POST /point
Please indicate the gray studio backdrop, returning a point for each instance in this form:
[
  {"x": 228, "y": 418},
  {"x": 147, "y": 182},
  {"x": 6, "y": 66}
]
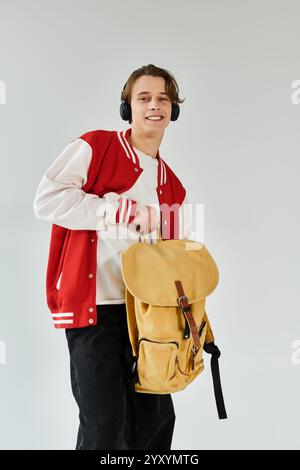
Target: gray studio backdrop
[{"x": 236, "y": 149}]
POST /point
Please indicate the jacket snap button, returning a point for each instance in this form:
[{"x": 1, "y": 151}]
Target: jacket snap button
[
  {"x": 91, "y": 309},
  {"x": 91, "y": 320},
  {"x": 160, "y": 191},
  {"x": 136, "y": 169},
  {"x": 92, "y": 239},
  {"x": 90, "y": 275}
]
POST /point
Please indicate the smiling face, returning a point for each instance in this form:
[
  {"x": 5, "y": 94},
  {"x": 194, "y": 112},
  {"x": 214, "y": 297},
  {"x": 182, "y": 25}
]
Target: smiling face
[{"x": 149, "y": 98}]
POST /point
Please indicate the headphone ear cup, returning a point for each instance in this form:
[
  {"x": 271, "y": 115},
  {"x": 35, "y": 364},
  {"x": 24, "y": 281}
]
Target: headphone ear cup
[
  {"x": 125, "y": 111},
  {"x": 175, "y": 111}
]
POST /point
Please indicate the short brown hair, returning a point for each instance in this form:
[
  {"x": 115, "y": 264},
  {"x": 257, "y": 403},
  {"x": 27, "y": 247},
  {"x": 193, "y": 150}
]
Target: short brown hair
[{"x": 172, "y": 89}]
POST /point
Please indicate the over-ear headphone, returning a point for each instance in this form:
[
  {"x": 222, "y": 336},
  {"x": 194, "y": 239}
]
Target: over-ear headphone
[{"x": 125, "y": 110}]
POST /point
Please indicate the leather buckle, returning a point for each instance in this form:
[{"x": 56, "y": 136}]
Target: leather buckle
[{"x": 182, "y": 297}]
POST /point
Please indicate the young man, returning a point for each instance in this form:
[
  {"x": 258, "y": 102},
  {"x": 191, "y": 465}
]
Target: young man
[{"x": 101, "y": 191}]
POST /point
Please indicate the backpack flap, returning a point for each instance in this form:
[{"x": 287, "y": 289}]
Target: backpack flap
[{"x": 150, "y": 270}]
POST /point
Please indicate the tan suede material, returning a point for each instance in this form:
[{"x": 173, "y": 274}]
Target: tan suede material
[{"x": 167, "y": 362}]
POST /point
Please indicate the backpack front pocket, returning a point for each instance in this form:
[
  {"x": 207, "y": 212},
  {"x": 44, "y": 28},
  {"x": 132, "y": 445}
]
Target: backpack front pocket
[
  {"x": 156, "y": 365},
  {"x": 191, "y": 363}
]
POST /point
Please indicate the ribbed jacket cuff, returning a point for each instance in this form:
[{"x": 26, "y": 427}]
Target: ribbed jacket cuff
[{"x": 126, "y": 211}]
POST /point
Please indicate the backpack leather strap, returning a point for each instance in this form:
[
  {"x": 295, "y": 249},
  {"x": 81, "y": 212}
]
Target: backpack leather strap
[{"x": 187, "y": 312}]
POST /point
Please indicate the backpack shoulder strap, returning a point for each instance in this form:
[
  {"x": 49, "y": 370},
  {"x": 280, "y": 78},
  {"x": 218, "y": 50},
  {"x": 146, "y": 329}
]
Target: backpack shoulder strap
[{"x": 211, "y": 348}]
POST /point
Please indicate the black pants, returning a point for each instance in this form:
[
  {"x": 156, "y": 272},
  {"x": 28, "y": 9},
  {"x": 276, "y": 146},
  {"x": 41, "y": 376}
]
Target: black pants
[{"x": 111, "y": 414}]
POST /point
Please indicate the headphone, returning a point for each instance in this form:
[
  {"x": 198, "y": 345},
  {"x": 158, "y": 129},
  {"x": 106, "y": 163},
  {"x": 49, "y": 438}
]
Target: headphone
[{"x": 125, "y": 110}]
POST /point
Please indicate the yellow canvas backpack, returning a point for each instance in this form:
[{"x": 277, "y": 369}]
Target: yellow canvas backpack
[{"x": 166, "y": 285}]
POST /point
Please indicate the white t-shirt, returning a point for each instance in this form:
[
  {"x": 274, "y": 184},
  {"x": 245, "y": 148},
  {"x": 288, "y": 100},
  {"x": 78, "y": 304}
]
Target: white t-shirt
[{"x": 110, "y": 288}]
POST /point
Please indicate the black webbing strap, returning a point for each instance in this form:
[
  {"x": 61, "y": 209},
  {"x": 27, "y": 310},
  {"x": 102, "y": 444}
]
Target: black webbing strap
[{"x": 212, "y": 348}]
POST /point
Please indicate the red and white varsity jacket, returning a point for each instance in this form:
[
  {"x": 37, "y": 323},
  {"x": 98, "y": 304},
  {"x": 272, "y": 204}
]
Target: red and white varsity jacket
[{"x": 72, "y": 258}]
